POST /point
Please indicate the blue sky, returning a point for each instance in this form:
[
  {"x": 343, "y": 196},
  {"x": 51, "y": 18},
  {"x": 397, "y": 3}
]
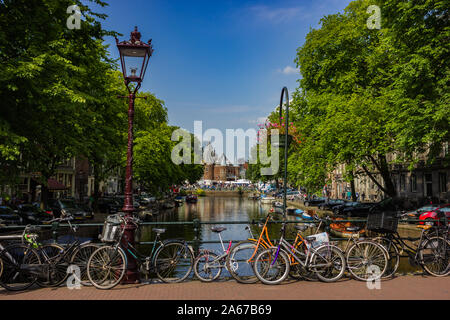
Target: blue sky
[{"x": 221, "y": 62}]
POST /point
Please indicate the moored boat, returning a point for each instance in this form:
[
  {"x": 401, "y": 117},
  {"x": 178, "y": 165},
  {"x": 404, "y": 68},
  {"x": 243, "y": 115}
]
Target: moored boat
[
  {"x": 267, "y": 200},
  {"x": 294, "y": 211},
  {"x": 191, "y": 198},
  {"x": 345, "y": 229}
]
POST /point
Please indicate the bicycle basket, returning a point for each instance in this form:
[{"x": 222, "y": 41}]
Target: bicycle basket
[
  {"x": 111, "y": 229},
  {"x": 382, "y": 222},
  {"x": 320, "y": 239}
]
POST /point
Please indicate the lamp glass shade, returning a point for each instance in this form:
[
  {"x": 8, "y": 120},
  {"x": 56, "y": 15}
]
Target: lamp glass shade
[{"x": 134, "y": 60}]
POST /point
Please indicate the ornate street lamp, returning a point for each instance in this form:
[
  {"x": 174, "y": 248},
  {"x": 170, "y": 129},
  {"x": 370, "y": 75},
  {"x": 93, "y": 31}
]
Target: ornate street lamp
[{"x": 134, "y": 57}]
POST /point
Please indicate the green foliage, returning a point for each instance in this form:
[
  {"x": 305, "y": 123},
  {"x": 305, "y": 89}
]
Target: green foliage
[{"x": 59, "y": 90}]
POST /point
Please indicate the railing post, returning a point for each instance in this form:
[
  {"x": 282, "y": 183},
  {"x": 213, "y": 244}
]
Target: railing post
[
  {"x": 55, "y": 226},
  {"x": 196, "y": 244}
]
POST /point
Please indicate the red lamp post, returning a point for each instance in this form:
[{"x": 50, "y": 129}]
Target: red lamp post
[{"x": 134, "y": 56}]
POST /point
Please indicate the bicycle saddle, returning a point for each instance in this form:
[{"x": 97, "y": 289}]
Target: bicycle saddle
[
  {"x": 218, "y": 229},
  {"x": 353, "y": 229},
  {"x": 310, "y": 238},
  {"x": 301, "y": 228},
  {"x": 159, "y": 231}
]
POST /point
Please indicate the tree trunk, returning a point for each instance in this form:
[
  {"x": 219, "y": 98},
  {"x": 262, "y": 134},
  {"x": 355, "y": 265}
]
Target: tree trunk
[
  {"x": 96, "y": 187},
  {"x": 352, "y": 186},
  {"x": 383, "y": 169}
]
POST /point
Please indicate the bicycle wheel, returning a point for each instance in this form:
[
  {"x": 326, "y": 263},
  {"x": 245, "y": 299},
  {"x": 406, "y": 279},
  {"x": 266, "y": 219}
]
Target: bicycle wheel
[
  {"x": 366, "y": 260},
  {"x": 434, "y": 256},
  {"x": 57, "y": 270},
  {"x": 106, "y": 267},
  {"x": 240, "y": 261},
  {"x": 17, "y": 262},
  {"x": 393, "y": 257},
  {"x": 270, "y": 267},
  {"x": 80, "y": 258},
  {"x": 328, "y": 262},
  {"x": 1, "y": 267},
  {"x": 207, "y": 267},
  {"x": 173, "y": 262}
]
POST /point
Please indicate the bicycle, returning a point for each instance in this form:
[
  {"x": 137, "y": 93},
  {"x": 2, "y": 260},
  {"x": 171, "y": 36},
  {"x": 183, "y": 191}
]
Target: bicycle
[
  {"x": 171, "y": 260},
  {"x": 47, "y": 265},
  {"x": 365, "y": 259},
  {"x": 312, "y": 253},
  {"x": 432, "y": 252},
  {"x": 240, "y": 259}
]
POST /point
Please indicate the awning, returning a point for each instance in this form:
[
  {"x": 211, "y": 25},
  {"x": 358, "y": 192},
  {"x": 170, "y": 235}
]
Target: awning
[
  {"x": 55, "y": 185},
  {"x": 52, "y": 184}
]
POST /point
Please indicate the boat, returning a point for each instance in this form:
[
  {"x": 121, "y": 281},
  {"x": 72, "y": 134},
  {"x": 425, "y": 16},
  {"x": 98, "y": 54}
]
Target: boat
[
  {"x": 179, "y": 200},
  {"x": 267, "y": 200},
  {"x": 345, "y": 229},
  {"x": 292, "y": 211},
  {"x": 191, "y": 198},
  {"x": 277, "y": 204}
]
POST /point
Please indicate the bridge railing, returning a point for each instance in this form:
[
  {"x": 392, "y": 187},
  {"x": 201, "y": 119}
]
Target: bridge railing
[{"x": 196, "y": 225}]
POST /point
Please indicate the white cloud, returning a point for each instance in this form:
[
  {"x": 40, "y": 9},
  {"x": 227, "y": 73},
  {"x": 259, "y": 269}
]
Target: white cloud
[
  {"x": 289, "y": 70},
  {"x": 275, "y": 14},
  {"x": 260, "y": 120}
]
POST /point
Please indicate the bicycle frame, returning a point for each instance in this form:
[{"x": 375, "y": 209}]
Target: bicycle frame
[
  {"x": 263, "y": 238},
  {"x": 295, "y": 254}
]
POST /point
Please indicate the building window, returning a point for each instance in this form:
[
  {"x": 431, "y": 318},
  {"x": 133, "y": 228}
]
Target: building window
[
  {"x": 442, "y": 182},
  {"x": 413, "y": 183}
]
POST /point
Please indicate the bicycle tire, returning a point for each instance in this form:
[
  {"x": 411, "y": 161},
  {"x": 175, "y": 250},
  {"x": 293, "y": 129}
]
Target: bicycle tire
[
  {"x": 365, "y": 257},
  {"x": 204, "y": 266},
  {"x": 393, "y": 257},
  {"x": 106, "y": 267},
  {"x": 335, "y": 260},
  {"x": 437, "y": 262},
  {"x": 238, "y": 264},
  {"x": 13, "y": 278},
  {"x": 271, "y": 268},
  {"x": 173, "y": 262},
  {"x": 80, "y": 258},
  {"x": 57, "y": 271}
]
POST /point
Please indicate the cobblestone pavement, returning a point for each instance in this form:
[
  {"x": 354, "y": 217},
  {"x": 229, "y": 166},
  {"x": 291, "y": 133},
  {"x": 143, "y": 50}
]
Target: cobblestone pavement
[{"x": 411, "y": 287}]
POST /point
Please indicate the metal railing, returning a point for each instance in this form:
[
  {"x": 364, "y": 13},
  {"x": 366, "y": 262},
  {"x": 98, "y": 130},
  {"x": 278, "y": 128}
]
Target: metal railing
[{"x": 196, "y": 224}]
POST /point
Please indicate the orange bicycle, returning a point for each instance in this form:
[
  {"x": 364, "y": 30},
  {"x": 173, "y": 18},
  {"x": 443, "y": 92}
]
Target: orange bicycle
[{"x": 240, "y": 258}]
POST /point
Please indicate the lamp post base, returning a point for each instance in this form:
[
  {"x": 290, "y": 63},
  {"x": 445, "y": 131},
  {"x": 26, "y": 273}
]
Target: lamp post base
[{"x": 132, "y": 275}]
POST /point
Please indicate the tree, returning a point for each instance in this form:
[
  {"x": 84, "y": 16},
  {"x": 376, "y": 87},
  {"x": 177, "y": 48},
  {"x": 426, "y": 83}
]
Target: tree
[
  {"x": 50, "y": 81},
  {"x": 363, "y": 94}
]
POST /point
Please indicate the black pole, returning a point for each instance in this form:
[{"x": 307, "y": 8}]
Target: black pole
[{"x": 284, "y": 93}]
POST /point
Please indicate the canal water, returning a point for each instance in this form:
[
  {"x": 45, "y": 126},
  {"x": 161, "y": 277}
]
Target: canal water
[{"x": 219, "y": 209}]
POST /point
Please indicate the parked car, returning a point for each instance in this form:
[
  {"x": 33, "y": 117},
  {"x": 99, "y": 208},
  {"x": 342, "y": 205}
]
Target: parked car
[
  {"x": 32, "y": 214},
  {"x": 339, "y": 209},
  {"x": 68, "y": 207},
  {"x": 9, "y": 216},
  {"x": 431, "y": 216},
  {"x": 314, "y": 201},
  {"x": 358, "y": 210},
  {"x": 418, "y": 212},
  {"x": 329, "y": 204}
]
